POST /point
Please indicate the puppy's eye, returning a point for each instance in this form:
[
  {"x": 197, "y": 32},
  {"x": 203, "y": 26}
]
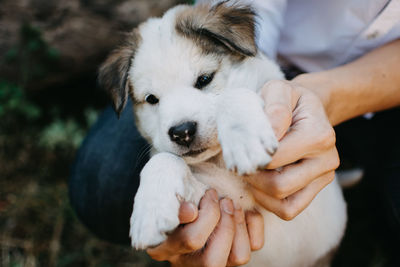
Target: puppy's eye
[
  {"x": 151, "y": 99},
  {"x": 203, "y": 80}
]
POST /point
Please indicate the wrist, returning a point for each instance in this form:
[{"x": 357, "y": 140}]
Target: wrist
[
  {"x": 369, "y": 84},
  {"x": 322, "y": 87}
]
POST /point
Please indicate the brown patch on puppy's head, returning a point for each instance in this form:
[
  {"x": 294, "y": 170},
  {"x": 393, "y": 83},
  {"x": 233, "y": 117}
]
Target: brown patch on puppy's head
[
  {"x": 114, "y": 72},
  {"x": 223, "y": 28}
]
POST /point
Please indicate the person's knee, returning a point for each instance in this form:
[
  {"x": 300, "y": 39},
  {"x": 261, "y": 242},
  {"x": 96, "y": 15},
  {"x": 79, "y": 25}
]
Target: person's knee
[
  {"x": 105, "y": 176},
  {"x": 104, "y": 213}
]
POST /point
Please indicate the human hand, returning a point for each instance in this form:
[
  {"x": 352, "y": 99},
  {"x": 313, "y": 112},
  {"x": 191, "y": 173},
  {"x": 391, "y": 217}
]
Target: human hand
[
  {"x": 213, "y": 235},
  {"x": 306, "y": 157}
]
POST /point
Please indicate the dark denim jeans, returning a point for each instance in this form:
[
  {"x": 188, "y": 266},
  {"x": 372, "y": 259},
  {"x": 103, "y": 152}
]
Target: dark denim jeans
[{"x": 105, "y": 175}]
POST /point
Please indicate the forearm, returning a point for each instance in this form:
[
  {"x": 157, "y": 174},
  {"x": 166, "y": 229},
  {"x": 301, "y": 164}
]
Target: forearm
[{"x": 368, "y": 84}]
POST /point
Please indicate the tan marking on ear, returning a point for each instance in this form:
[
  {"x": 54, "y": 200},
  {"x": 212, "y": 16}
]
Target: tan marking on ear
[
  {"x": 114, "y": 72},
  {"x": 221, "y": 29}
]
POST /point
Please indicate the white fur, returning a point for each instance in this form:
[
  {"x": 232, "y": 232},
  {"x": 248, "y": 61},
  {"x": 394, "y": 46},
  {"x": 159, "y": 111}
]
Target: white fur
[
  {"x": 244, "y": 132},
  {"x": 229, "y": 113},
  {"x": 168, "y": 186}
]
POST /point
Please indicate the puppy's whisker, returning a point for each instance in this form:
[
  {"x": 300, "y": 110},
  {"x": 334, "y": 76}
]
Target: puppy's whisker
[
  {"x": 146, "y": 150},
  {"x": 144, "y": 153}
]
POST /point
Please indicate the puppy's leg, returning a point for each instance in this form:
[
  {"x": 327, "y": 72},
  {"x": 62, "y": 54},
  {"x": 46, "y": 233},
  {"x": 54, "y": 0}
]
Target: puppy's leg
[
  {"x": 165, "y": 181},
  {"x": 244, "y": 132}
]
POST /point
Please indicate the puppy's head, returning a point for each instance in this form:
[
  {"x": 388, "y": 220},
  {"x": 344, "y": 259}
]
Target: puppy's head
[{"x": 174, "y": 67}]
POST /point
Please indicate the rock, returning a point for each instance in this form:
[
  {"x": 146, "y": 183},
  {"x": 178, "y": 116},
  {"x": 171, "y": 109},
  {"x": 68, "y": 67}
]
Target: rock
[{"x": 44, "y": 43}]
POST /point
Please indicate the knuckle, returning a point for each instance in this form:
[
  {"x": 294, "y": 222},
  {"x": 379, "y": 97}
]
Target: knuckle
[
  {"x": 278, "y": 188},
  {"x": 273, "y": 165},
  {"x": 157, "y": 256},
  {"x": 287, "y": 215},
  {"x": 278, "y": 110},
  {"x": 327, "y": 138},
  {"x": 192, "y": 242},
  {"x": 240, "y": 259},
  {"x": 332, "y": 160},
  {"x": 335, "y": 162},
  {"x": 331, "y": 176},
  {"x": 288, "y": 212},
  {"x": 273, "y": 84},
  {"x": 257, "y": 245},
  {"x": 276, "y": 83},
  {"x": 208, "y": 262}
]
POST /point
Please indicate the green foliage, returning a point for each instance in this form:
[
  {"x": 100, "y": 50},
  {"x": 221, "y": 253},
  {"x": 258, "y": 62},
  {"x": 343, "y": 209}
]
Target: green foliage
[
  {"x": 91, "y": 116},
  {"x": 66, "y": 133},
  {"x": 62, "y": 134},
  {"x": 33, "y": 56},
  {"x": 13, "y": 100},
  {"x": 35, "y": 59}
]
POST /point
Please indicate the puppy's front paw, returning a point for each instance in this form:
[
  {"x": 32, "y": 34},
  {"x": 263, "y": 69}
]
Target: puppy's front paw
[
  {"x": 245, "y": 134},
  {"x": 152, "y": 220},
  {"x": 249, "y": 147},
  {"x": 164, "y": 182}
]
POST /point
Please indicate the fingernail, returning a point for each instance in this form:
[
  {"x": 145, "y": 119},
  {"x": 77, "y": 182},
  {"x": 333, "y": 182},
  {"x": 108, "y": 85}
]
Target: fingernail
[
  {"x": 227, "y": 206},
  {"x": 213, "y": 195}
]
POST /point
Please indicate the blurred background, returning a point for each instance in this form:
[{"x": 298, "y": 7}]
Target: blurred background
[{"x": 49, "y": 54}]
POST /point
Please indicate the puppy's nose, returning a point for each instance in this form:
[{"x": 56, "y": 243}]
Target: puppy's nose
[{"x": 183, "y": 134}]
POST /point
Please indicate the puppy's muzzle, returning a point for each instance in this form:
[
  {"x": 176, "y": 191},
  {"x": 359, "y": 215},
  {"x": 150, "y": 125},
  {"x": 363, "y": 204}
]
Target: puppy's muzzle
[{"x": 183, "y": 134}]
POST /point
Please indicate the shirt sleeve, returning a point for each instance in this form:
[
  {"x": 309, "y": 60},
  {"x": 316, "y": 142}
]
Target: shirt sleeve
[{"x": 269, "y": 22}]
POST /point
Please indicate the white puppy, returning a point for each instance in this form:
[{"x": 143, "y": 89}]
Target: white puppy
[{"x": 193, "y": 76}]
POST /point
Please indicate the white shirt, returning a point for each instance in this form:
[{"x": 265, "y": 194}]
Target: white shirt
[{"x": 321, "y": 34}]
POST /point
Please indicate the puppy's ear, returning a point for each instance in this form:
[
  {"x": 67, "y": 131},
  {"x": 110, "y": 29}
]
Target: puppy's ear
[
  {"x": 225, "y": 27},
  {"x": 114, "y": 72}
]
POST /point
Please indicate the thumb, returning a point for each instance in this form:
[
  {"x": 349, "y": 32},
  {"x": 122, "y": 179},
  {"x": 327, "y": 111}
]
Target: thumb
[
  {"x": 187, "y": 212},
  {"x": 279, "y": 103}
]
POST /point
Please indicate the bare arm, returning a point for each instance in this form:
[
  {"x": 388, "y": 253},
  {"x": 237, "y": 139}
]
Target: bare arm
[{"x": 368, "y": 84}]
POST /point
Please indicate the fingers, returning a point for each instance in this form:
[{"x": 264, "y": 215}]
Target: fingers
[
  {"x": 306, "y": 157},
  {"x": 290, "y": 207},
  {"x": 309, "y": 134},
  {"x": 313, "y": 141},
  {"x": 291, "y": 178},
  {"x": 219, "y": 245},
  {"x": 240, "y": 251},
  {"x": 193, "y": 236},
  {"x": 255, "y": 229},
  {"x": 218, "y": 237},
  {"x": 279, "y": 102},
  {"x": 187, "y": 212},
  {"x": 296, "y": 114}
]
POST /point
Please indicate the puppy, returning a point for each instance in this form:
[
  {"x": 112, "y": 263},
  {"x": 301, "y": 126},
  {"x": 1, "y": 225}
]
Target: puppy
[{"x": 194, "y": 75}]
